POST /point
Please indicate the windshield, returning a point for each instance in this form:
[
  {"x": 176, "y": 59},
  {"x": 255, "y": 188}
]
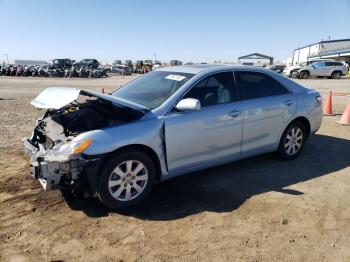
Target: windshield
[{"x": 152, "y": 89}]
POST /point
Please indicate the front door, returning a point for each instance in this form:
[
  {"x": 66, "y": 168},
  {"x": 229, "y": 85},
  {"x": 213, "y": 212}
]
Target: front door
[
  {"x": 318, "y": 69},
  {"x": 210, "y": 134}
]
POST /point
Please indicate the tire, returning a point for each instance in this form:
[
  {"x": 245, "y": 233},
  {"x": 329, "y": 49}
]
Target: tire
[
  {"x": 304, "y": 75},
  {"x": 336, "y": 75},
  {"x": 293, "y": 74},
  {"x": 121, "y": 178},
  {"x": 290, "y": 145}
]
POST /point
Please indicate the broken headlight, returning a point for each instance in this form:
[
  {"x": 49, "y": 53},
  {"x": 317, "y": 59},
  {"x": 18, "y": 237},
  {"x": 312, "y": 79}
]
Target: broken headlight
[{"x": 64, "y": 151}]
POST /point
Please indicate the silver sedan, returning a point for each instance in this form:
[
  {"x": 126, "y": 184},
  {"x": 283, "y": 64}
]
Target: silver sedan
[{"x": 164, "y": 124}]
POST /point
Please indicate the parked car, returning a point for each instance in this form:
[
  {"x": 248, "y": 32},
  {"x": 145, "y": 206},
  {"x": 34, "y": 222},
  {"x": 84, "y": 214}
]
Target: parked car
[
  {"x": 157, "y": 64},
  {"x": 62, "y": 63},
  {"x": 91, "y": 63},
  {"x": 175, "y": 63},
  {"x": 117, "y": 62},
  {"x": 331, "y": 69},
  {"x": 164, "y": 124},
  {"x": 277, "y": 68},
  {"x": 121, "y": 69},
  {"x": 292, "y": 71}
]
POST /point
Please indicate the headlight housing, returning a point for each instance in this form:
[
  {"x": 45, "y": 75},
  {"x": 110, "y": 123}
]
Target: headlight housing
[{"x": 64, "y": 151}]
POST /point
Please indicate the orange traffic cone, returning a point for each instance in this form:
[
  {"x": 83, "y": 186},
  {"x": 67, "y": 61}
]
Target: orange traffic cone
[
  {"x": 103, "y": 90},
  {"x": 345, "y": 118},
  {"x": 327, "y": 106}
]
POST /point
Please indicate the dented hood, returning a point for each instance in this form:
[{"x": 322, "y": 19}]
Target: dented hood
[{"x": 57, "y": 97}]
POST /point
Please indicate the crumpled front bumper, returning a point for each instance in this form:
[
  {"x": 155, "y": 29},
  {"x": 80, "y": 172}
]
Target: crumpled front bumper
[{"x": 50, "y": 174}]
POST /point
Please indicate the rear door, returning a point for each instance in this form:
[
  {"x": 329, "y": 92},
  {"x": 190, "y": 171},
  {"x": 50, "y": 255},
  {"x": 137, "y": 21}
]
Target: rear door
[
  {"x": 268, "y": 106},
  {"x": 210, "y": 134},
  {"x": 329, "y": 67}
]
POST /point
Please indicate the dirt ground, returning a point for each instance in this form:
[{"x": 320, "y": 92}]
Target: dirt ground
[{"x": 259, "y": 209}]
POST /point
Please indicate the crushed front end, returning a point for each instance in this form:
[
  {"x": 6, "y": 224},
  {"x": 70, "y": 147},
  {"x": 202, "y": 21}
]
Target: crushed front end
[
  {"x": 55, "y": 149},
  {"x": 56, "y": 159}
]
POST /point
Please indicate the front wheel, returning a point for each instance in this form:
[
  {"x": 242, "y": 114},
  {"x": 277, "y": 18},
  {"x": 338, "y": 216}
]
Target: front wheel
[
  {"x": 292, "y": 141},
  {"x": 126, "y": 180},
  {"x": 304, "y": 75},
  {"x": 293, "y": 74}
]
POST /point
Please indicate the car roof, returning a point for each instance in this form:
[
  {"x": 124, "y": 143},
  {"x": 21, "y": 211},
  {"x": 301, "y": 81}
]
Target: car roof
[{"x": 200, "y": 68}]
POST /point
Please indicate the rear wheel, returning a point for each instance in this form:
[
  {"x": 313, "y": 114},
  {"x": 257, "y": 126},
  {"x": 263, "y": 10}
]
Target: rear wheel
[
  {"x": 336, "y": 75},
  {"x": 126, "y": 180},
  {"x": 292, "y": 141},
  {"x": 304, "y": 75}
]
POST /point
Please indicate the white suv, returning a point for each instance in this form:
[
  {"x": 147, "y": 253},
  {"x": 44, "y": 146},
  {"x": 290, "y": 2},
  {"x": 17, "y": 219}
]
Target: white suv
[
  {"x": 331, "y": 69},
  {"x": 292, "y": 71}
]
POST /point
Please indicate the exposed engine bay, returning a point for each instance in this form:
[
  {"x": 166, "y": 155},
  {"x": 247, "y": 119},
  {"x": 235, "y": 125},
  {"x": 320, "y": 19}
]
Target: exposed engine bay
[{"x": 61, "y": 125}]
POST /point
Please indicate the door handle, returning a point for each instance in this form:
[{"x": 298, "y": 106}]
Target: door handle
[
  {"x": 289, "y": 102},
  {"x": 234, "y": 113}
]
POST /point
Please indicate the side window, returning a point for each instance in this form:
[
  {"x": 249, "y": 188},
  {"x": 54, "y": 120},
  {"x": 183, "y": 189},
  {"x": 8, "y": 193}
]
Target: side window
[
  {"x": 333, "y": 64},
  {"x": 256, "y": 85},
  {"x": 214, "y": 90},
  {"x": 278, "y": 89},
  {"x": 318, "y": 65}
]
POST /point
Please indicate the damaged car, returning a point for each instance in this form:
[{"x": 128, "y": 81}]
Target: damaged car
[{"x": 164, "y": 124}]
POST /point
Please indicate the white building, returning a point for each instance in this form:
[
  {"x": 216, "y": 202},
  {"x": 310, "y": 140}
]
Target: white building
[
  {"x": 331, "y": 49},
  {"x": 27, "y": 62},
  {"x": 256, "y": 59}
]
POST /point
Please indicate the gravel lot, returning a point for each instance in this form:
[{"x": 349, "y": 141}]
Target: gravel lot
[{"x": 259, "y": 209}]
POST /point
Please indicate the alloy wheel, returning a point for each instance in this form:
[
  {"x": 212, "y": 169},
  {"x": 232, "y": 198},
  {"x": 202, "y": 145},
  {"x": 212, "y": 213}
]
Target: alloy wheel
[
  {"x": 128, "y": 180},
  {"x": 304, "y": 75},
  {"x": 293, "y": 141},
  {"x": 336, "y": 75}
]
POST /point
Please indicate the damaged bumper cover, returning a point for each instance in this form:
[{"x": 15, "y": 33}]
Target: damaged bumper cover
[
  {"x": 74, "y": 174},
  {"x": 51, "y": 173}
]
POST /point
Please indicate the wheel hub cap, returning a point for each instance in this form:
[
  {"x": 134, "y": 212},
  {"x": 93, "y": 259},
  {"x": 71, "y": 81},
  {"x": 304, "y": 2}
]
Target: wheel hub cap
[
  {"x": 128, "y": 180},
  {"x": 293, "y": 141}
]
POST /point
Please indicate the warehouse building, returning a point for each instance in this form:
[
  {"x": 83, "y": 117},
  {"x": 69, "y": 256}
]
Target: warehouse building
[
  {"x": 255, "y": 59},
  {"x": 331, "y": 49},
  {"x": 17, "y": 62},
  {"x": 29, "y": 62}
]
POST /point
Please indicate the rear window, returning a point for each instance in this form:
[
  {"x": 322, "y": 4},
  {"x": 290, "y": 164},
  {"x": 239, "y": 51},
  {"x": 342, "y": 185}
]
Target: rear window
[{"x": 334, "y": 64}]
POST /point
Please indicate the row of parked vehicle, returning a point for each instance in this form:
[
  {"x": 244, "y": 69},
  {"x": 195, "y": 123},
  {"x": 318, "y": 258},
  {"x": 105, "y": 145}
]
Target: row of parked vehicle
[
  {"x": 140, "y": 67},
  {"x": 50, "y": 71},
  {"x": 86, "y": 68}
]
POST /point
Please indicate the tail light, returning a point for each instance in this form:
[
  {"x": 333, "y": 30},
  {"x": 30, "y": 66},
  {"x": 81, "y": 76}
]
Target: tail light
[{"x": 319, "y": 100}]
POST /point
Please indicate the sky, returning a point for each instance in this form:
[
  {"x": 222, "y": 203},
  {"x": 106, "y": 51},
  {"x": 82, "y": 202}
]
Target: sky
[{"x": 196, "y": 31}]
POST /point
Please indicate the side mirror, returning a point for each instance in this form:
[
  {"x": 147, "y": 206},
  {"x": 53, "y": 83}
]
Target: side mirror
[{"x": 188, "y": 104}]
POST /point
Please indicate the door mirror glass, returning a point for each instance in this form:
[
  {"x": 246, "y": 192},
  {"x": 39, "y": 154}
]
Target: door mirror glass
[{"x": 188, "y": 104}]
